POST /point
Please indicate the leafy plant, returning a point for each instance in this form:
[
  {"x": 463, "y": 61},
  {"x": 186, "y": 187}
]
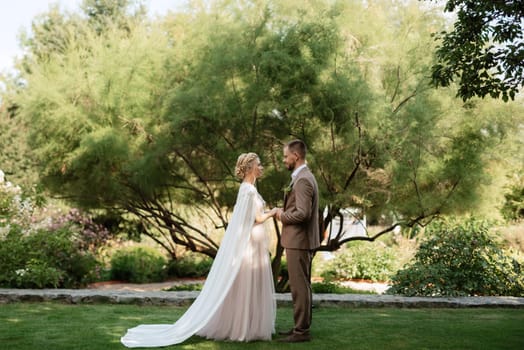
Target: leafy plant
[
  {"x": 361, "y": 260},
  {"x": 460, "y": 259},
  {"x": 483, "y": 52},
  {"x": 40, "y": 247},
  {"x": 190, "y": 265},
  {"x": 37, "y": 274},
  {"x": 138, "y": 265},
  {"x": 287, "y": 69},
  {"x": 44, "y": 259}
]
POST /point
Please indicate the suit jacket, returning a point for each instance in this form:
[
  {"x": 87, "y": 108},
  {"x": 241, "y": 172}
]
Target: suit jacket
[{"x": 300, "y": 216}]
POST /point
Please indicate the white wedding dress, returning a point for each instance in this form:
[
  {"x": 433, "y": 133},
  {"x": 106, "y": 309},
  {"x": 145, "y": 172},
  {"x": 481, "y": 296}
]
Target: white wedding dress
[{"x": 237, "y": 300}]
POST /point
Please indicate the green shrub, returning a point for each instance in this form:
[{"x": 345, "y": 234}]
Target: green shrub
[
  {"x": 361, "y": 260},
  {"x": 41, "y": 247},
  {"x": 460, "y": 259},
  {"x": 190, "y": 266},
  {"x": 60, "y": 250},
  {"x": 43, "y": 259},
  {"x": 138, "y": 265},
  {"x": 37, "y": 274}
]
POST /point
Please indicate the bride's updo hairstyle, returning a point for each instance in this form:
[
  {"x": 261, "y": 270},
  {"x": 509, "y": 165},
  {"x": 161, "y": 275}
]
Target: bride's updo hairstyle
[{"x": 245, "y": 163}]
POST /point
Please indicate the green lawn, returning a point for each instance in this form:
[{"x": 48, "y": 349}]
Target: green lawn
[{"x": 60, "y": 326}]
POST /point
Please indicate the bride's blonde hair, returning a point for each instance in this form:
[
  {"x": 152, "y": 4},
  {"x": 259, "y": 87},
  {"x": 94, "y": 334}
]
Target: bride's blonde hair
[{"x": 245, "y": 164}]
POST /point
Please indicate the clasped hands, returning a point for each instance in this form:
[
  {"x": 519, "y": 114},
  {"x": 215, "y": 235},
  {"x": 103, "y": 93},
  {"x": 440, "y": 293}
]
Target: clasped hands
[{"x": 277, "y": 212}]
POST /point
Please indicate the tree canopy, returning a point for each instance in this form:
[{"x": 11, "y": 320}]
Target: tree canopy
[
  {"x": 148, "y": 118},
  {"x": 485, "y": 50}
]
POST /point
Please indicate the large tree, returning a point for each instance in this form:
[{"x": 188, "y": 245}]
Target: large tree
[
  {"x": 485, "y": 50},
  {"x": 149, "y": 118}
]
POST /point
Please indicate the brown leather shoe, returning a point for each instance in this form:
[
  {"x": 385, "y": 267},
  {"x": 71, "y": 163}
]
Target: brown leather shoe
[
  {"x": 286, "y": 332},
  {"x": 296, "y": 338}
]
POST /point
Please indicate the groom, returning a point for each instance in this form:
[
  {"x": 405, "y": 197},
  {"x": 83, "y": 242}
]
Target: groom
[{"x": 300, "y": 236}]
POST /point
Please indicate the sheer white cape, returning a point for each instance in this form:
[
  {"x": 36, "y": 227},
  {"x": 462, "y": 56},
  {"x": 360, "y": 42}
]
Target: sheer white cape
[{"x": 218, "y": 282}]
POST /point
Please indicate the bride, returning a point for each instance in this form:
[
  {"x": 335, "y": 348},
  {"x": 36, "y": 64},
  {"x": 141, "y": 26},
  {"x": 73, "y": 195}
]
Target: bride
[{"x": 237, "y": 300}]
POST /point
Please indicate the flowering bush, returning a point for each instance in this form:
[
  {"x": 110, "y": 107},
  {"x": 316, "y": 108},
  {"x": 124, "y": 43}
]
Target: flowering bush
[
  {"x": 41, "y": 247},
  {"x": 15, "y": 208},
  {"x": 87, "y": 234},
  {"x": 44, "y": 259}
]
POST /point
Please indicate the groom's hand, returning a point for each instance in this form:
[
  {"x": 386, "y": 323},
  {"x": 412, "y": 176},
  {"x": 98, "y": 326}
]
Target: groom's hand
[{"x": 279, "y": 212}]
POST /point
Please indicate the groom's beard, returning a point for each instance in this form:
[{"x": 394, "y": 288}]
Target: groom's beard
[{"x": 291, "y": 167}]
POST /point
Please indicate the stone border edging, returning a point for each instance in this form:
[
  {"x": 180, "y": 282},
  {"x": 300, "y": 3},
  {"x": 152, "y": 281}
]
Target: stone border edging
[{"x": 185, "y": 298}]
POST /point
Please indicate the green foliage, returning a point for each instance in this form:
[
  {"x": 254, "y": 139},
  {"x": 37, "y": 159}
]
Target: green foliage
[
  {"x": 37, "y": 274},
  {"x": 106, "y": 13},
  {"x": 155, "y": 113},
  {"x": 186, "y": 287},
  {"x": 16, "y": 159},
  {"x": 138, "y": 265},
  {"x": 189, "y": 266},
  {"x": 40, "y": 248},
  {"x": 513, "y": 207},
  {"x": 44, "y": 259},
  {"x": 361, "y": 260},
  {"x": 17, "y": 204},
  {"x": 460, "y": 259},
  {"x": 485, "y": 49}
]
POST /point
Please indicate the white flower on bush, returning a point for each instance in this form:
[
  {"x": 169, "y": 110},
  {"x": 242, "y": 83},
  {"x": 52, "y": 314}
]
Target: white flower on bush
[
  {"x": 18, "y": 209},
  {"x": 4, "y": 230},
  {"x": 25, "y": 207},
  {"x": 7, "y": 186}
]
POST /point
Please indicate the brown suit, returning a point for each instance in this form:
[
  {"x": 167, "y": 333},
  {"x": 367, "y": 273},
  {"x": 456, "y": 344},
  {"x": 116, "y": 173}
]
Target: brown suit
[{"x": 300, "y": 237}]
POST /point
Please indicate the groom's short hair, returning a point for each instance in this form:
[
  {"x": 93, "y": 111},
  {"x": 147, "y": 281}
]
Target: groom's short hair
[{"x": 297, "y": 146}]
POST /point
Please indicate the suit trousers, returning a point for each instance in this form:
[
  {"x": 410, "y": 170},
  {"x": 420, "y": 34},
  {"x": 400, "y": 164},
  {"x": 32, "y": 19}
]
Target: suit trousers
[{"x": 299, "y": 268}]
